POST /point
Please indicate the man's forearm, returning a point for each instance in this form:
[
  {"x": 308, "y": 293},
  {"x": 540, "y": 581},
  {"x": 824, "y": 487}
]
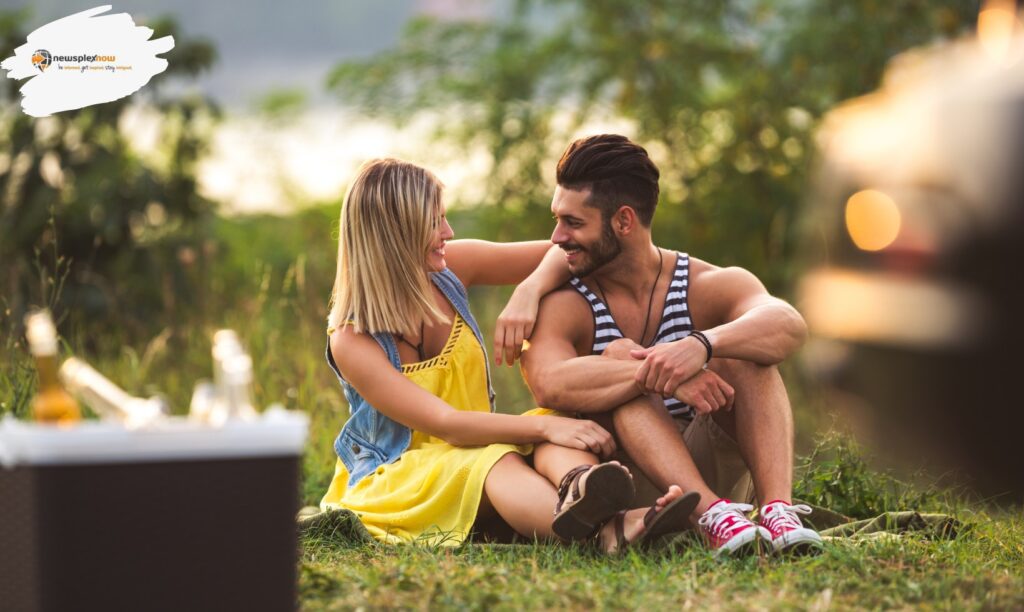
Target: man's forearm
[
  {"x": 588, "y": 384},
  {"x": 765, "y": 335}
]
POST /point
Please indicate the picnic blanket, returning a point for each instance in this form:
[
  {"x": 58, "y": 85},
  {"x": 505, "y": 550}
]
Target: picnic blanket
[{"x": 344, "y": 526}]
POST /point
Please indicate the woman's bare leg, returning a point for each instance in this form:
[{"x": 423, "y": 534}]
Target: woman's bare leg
[
  {"x": 525, "y": 497},
  {"x": 521, "y": 496},
  {"x": 553, "y": 461}
]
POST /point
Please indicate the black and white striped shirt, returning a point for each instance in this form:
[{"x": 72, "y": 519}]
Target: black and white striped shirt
[{"x": 675, "y": 321}]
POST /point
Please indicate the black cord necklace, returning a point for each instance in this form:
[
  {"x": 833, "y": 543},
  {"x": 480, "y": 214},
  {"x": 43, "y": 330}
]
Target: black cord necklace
[
  {"x": 650, "y": 298},
  {"x": 418, "y": 347}
]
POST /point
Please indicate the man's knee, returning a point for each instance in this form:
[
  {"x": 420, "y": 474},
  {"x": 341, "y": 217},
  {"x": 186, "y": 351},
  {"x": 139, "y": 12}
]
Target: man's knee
[
  {"x": 620, "y": 348},
  {"x": 738, "y": 372}
]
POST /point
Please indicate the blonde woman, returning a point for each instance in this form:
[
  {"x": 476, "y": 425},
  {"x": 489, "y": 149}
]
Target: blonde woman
[{"x": 423, "y": 454}]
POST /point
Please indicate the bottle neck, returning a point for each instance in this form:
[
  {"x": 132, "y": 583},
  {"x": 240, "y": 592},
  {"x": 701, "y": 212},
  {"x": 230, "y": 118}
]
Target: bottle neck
[{"x": 46, "y": 366}]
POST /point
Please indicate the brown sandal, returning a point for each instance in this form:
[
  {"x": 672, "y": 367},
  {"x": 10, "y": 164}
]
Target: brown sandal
[
  {"x": 673, "y": 518},
  {"x": 584, "y": 504}
]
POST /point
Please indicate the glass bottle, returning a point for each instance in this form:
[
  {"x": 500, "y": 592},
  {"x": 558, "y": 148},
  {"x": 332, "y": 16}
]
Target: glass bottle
[
  {"x": 107, "y": 399},
  {"x": 52, "y": 404}
]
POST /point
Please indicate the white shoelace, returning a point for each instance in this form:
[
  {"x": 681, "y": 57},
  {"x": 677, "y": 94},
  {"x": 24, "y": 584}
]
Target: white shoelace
[
  {"x": 714, "y": 518},
  {"x": 783, "y": 515}
]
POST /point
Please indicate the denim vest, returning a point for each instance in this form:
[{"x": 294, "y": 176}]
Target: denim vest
[{"x": 370, "y": 439}]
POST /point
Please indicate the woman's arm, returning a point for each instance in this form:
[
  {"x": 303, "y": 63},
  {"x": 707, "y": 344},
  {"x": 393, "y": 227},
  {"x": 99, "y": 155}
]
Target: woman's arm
[
  {"x": 365, "y": 366},
  {"x": 539, "y": 267},
  {"x": 479, "y": 262},
  {"x": 515, "y": 323}
]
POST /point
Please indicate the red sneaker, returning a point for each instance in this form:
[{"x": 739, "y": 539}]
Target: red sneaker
[
  {"x": 787, "y": 533},
  {"x": 729, "y": 531}
]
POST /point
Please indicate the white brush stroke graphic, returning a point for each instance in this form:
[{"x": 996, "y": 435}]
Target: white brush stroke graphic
[{"x": 77, "y": 83}]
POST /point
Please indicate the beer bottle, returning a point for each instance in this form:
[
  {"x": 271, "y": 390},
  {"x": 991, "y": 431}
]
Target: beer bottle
[
  {"x": 52, "y": 404},
  {"x": 107, "y": 399}
]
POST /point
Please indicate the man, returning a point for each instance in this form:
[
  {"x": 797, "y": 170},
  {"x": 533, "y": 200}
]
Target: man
[{"x": 675, "y": 355}]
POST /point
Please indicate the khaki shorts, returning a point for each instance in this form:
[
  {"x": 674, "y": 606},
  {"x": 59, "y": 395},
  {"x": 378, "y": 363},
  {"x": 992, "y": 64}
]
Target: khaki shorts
[{"x": 716, "y": 455}]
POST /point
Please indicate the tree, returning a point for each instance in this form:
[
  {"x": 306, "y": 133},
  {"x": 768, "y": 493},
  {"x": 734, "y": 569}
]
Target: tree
[
  {"x": 81, "y": 212},
  {"x": 725, "y": 96}
]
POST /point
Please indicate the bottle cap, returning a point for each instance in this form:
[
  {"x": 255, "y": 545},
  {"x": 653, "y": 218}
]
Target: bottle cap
[{"x": 41, "y": 334}]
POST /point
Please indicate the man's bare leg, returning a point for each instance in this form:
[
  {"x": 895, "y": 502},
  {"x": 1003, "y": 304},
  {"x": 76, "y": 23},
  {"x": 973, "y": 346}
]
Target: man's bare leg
[
  {"x": 647, "y": 433},
  {"x": 761, "y": 422},
  {"x": 649, "y": 436}
]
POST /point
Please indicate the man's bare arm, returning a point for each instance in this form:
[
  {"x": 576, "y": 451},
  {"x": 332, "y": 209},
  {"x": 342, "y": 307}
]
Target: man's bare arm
[
  {"x": 746, "y": 322},
  {"x": 740, "y": 319},
  {"x": 559, "y": 378}
]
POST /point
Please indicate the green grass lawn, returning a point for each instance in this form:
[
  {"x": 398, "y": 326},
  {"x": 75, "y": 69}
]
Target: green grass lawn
[
  {"x": 271, "y": 281},
  {"x": 981, "y": 569}
]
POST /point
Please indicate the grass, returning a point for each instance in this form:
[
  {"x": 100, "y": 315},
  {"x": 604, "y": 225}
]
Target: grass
[
  {"x": 983, "y": 568},
  {"x": 270, "y": 278},
  {"x": 980, "y": 570}
]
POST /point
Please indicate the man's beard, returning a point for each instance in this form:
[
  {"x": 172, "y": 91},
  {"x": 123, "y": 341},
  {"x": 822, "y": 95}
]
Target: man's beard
[{"x": 601, "y": 252}]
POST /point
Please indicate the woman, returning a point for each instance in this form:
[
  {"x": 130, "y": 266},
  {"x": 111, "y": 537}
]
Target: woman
[{"x": 423, "y": 454}]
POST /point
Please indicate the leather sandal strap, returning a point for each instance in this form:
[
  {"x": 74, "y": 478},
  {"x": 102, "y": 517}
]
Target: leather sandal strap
[
  {"x": 571, "y": 480},
  {"x": 649, "y": 516},
  {"x": 620, "y": 531}
]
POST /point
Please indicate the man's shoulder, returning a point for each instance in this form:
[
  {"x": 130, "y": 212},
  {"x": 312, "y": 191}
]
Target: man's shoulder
[
  {"x": 564, "y": 312},
  {"x": 715, "y": 291},
  {"x": 705, "y": 272},
  {"x": 565, "y": 298},
  {"x": 699, "y": 267}
]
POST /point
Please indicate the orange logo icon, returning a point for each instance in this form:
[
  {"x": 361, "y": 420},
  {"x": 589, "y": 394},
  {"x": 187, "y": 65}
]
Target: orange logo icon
[{"x": 41, "y": 59}]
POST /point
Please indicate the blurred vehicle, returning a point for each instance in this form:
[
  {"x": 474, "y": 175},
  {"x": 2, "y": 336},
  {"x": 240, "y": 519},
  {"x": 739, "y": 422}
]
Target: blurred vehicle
[{"x": 917, "y": 311}]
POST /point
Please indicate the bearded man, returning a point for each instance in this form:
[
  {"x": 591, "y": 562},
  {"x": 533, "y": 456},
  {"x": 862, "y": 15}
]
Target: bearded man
[{"x": 674, "y": 355}]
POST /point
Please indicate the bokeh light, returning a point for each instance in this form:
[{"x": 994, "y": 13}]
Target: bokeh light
[
  {"x": 872, "y": 219},
  {"x": 999, "y": 29}
]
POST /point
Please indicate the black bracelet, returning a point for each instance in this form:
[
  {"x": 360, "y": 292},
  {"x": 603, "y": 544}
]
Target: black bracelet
[{"x": 703, "y": 340}]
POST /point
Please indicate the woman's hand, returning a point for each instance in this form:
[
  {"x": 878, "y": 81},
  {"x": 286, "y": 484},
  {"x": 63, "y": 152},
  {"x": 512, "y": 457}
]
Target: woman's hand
[
  {"x": 581, "y": 434},
  {"x": 515, "y": 324}
]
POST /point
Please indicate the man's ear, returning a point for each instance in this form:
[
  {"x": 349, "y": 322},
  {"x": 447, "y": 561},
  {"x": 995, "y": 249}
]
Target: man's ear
[{"x": 624, "y": 220}]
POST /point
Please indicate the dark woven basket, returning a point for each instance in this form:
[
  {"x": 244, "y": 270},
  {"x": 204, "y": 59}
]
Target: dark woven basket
[{"x": 167, "y": 535}]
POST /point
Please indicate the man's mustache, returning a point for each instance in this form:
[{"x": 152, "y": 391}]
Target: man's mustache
[{"x": 566, "y": 247}]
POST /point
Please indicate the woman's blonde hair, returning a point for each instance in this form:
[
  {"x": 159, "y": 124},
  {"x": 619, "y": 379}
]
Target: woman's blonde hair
[{"x": 388, "y": 224}]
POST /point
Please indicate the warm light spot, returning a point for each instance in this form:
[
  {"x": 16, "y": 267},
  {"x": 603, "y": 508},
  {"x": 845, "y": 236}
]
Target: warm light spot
[
  {"x": 997, "y": 27},
  {"x": 890, "y": 309},
  {"x": 872, "y": 219}
]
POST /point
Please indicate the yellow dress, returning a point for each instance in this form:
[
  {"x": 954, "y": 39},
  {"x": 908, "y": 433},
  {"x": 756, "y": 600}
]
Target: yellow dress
[{"x": 432, "y": 492}]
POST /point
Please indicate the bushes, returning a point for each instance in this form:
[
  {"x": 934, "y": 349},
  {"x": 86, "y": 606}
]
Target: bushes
[{"x": 837, "y": 475}]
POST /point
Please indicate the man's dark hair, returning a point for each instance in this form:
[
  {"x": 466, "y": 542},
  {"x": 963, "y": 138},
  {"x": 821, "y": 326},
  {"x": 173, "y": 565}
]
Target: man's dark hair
[{"x": 615, "y": 170}]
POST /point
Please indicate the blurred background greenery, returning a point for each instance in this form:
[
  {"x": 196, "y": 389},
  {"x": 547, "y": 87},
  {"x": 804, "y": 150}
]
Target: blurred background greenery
[{"x": 140, "y": 263}]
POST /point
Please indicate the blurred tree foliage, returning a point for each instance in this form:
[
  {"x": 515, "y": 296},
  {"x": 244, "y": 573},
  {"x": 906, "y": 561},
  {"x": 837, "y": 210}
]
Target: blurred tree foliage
[
  {"x": 88, "y": 224},
  {"x": 725, "y": 96}
]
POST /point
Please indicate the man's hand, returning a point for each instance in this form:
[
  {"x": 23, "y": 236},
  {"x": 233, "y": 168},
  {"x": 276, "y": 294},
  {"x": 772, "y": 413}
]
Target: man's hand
[
  {"x": 667, "y": 365},
  {"x": 621, "y": 348},
  {"x": 706, "y": 392}
]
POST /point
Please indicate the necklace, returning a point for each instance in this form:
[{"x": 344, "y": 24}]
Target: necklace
[
  {"x": 418, "y": 347},
  {"x": 650, "y": 298}
]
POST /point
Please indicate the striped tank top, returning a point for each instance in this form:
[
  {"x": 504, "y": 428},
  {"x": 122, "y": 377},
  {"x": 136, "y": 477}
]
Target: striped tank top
[{"x": 675, "y": 321}]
